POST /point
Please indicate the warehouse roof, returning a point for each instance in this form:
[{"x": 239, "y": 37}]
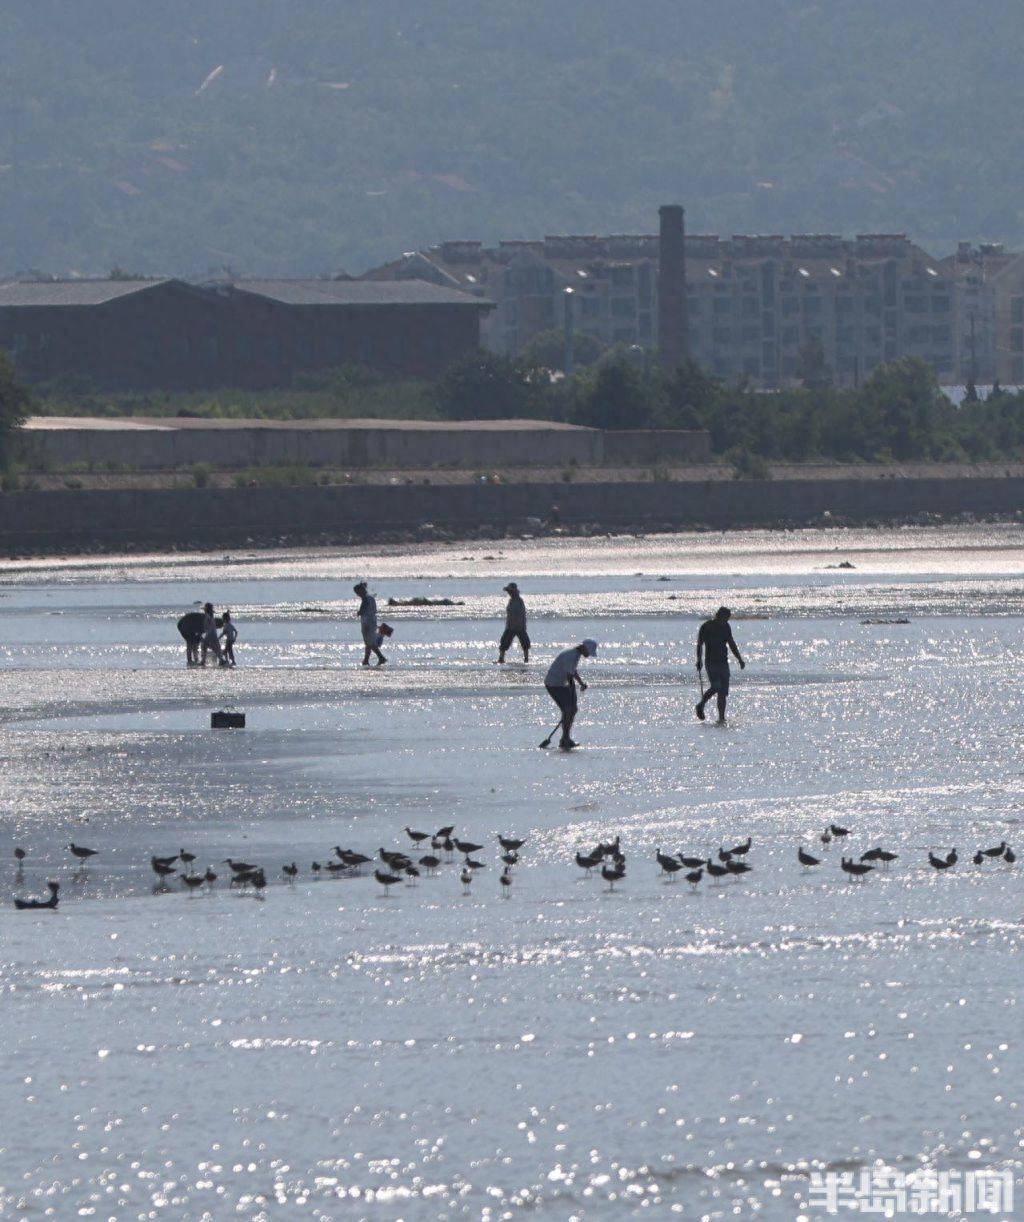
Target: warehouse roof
[
  {"x": 72, "y": 292},
  {"x": 357, "y": 292}
]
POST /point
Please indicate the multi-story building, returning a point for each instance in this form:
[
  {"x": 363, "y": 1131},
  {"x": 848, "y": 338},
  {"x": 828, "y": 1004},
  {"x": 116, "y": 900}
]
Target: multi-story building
[{"x": 757, "y": 306}]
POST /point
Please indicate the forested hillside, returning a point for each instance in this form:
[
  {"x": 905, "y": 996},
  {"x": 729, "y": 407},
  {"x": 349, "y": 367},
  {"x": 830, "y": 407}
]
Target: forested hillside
[{"x": 300, "y": 136}]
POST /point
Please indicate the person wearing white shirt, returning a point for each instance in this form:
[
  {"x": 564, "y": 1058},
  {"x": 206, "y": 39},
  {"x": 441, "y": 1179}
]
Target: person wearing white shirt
[{"x": 562, "y": 681}]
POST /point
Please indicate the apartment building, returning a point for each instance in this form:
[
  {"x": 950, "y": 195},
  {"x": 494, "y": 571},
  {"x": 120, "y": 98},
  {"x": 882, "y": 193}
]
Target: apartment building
[{"x": 755, "y": 305}]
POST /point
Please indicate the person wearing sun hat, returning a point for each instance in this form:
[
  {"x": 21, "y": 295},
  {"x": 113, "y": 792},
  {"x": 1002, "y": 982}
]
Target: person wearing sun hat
[
  {"x": 562, "y": 680},
  {"x": 515, "y": 624}
]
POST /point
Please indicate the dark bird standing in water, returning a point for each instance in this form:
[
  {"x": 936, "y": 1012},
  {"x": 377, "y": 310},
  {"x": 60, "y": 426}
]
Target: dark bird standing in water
[
  {"x": 466, "y": 878},
  {"x": 386, "y": 880},
  {"x": 838, "y": 831},
  {"x": 715, "y": 870},
  {"x": 942, "y": 863},
  {"x": 691, "y": 863},
  {"x": 510, "y": 845},
  {"x": 81, "y": 853},
  {"x": 806, "y": 860},
  {"x": 417, "y": 837},
  {"x": 694, "y": 877},
  {"x": 589, "y": 861},
  {"x": 430, "y": 863},
  {"x": 192, "y": 881},
  {"x": 25, "y": 905},
  {"x": 737, "y": 867},
  {"x": 855, "y": 869},
  {"x": 506, "y": 882},
  {"x": 613, "y": 875},
  {"x": 998, "y": 851},
  {"x": 741, "y": 850},
  {"x": 669, "y": 865},
  {"x": 290, "y": 871}
]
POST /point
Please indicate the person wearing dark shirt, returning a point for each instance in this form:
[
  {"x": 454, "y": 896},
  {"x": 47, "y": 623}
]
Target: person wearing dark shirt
[
  {"x": 714, "y": 643},
  {"x": 515, "y": 624},
  {"x": 191, "y": 628}
]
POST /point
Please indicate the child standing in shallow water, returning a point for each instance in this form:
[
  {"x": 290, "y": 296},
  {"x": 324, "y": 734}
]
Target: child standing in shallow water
[{"x": 229, "y": 635}]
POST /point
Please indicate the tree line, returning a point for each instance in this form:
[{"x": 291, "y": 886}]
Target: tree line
[{"x": 899, "y": 414}]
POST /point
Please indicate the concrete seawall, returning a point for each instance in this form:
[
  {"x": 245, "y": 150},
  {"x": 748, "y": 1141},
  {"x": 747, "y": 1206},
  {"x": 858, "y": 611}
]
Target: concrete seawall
[{"x": 209, "y": 518}]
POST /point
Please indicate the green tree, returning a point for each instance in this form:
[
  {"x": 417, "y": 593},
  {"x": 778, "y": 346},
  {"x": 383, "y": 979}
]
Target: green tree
[
  {"x": 14, "y": 404},
  {"x": 547, "y": 350},
  {"x": 485, "y": 386},
  {"x": 617, "y": 394}
]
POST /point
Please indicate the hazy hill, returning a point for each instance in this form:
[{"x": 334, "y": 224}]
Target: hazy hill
[{"x": 309, "y": 135}]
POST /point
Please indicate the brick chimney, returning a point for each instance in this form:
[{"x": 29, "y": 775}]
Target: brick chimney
[{"x": 672, "y": 338}]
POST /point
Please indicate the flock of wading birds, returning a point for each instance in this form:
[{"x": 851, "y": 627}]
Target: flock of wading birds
[{"x": 392, "y": 867}]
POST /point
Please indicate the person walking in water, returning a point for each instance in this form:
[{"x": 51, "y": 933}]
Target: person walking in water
[
  {"x": 211, "y": 642},
  {"x": 515, "y": 624},
  {"x": 562, "y": 680},
  {"x": 229, "y": 634},
  {"x": 714, "y": 643},
  {"x": 368, "y": 623}
]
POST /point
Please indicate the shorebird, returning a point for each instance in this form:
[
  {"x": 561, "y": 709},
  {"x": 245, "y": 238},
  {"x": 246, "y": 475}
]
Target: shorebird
[
  {"x": 838, "y": 831},
  {"x": 417, "y": 837},
  {"x": 692, "y": 863},
  {"x": 238, "y": 867},
  {"x": 979, "y": 858},
  {"x": 998, "y": 851},
  {"x": 506, "y": 883},
  {"x": 192, "y": 881},
  {"x": 336, "y": 867},
  {"x": 941, "y": 863},
  {"x": 472, "y": 864},
  {"x": 82, "y": 854},
  {"x": 612, "y": 849},
  {"x": 430, "y": 863},
  {"x": 466, "y": 846},
  {"x": 166, "y": 861},
  {"x": 19, "y": 857},
  {"x": 466, "y": 878},
  {"x": 826, "y": 838},
  {"x": 614, "y": 875},
  {"x": 741, "y": 850},
  {"x": 806, "y": 860},
  {"x": 160, "y": 869},
  {"x": 23, "y": 905},
  {"x": 879, "y": 854},
  {"x": 588, "y": 861},
  {"x": 448, "y": 844},
  {"x": 386, "y": 880},
  {"x": 724, "y": 855},
  {"x": 715, "y": 870},
  {"x": 1009, "y": 856},
  {"x": 510, "y": 859},
  {"x": 855, "y": 869},
  {"x": 397, "y": 861},
  {"x": 444, "y": 833},
  {"x": 186, "y": 858},
  {"x": 412, "y": 873},
  {"x": 694, "y": 877},
  {"x": 510, "y": 845},
  {"x": 258, "y": 880},
  {"x": 355, "y": 860},
  {"x": 316, "y": 867},
  {"x": 737, "y": 867},
  {"x": 209, "y": 877},
  {"x": 290, "y": 871},
  {"x": 669, "y": 865}
]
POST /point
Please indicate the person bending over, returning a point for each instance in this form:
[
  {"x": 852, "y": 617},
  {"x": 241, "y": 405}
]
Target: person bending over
[{"x": 562, "y": 680}]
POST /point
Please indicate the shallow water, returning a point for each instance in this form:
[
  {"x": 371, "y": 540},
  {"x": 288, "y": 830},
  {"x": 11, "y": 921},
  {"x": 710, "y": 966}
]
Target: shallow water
[{"x": 589, "y": 1053}]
